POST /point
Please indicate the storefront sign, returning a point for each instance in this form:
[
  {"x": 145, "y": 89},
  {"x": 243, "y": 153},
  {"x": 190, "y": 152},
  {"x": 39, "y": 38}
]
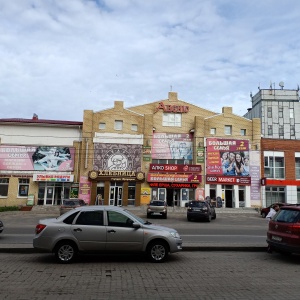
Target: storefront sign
[
  {"x": 172, "y": 108},
  {"x": 154, "y": 177},
  {"x": 117, "y": 175},
  {"x": 200, "y": 155},
  {"x": 229, "y": 180},
  {"x": 173, "y": 185},
  {"x": 53, "y": 177},
  {"x": 162, "y": 168}
]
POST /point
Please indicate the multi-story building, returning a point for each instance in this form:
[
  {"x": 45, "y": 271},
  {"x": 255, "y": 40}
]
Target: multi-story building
[
  {"x": 169, "y": 150},
  {"x": 38, "y": 161},
  {"x": 279, "y": 112}
]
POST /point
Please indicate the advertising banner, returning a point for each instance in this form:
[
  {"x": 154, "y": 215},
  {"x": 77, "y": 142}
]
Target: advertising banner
[
  {"x": 153, "y": 177},
  {"x": 31, "y": 158},
  {"x": 163, "y": 168},
  {"x": 227, "y": 157},
  {"x": 172, "y": 146},
  {"x": 231, "y": 180}
]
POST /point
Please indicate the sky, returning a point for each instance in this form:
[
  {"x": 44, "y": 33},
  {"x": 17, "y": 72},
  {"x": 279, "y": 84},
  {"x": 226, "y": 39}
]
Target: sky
[{"x": 61, "y": 57}]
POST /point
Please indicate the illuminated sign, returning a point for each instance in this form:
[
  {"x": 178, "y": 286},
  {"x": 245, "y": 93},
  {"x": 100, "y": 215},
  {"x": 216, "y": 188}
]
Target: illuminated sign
[
  {"x": 181, "y": 178},
  {"x": 53, "y": 177},
  {"x": 234, "y": 180},
  {"x": 163, "y": 168}
]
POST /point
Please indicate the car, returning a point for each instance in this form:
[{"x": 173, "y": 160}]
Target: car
[
  {"x": 157, "y": 207},
  {"x": 200, "y": 210},
  {"x": 1, "y": 226},
  {"x": 283, "y": 234},
  {"x": 264, "y": 211},
  {"x": 69, "y": 204},
  {"x": 104, "y": 229}
]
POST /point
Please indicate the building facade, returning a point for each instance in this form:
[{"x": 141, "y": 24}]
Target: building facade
[
  {"x": 169, "y": 150},
  {"x": 38, "y": 161},
  {"x": 279, "y": 112}
]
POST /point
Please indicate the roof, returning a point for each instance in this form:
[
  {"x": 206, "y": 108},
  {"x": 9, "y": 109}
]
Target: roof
[{"x": 40, "y": 121}]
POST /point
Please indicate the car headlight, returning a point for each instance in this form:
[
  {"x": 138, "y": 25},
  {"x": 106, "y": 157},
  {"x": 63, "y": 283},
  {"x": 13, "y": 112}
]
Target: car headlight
[{"x": 175, "y": 234}]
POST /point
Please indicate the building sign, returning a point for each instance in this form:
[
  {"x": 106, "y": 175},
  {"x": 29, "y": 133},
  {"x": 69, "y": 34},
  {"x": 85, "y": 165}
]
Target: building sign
[
  {"x": 163, "y": 168},
  {"x": 172, "y": 146},
  {"x": 172, "y": 108},
  {"x": 227, "y": 157},
  {"x": 146, "y": 153},
  {"x": 200, "y": 155},
  {"x": 117, "y": 175},
  {"x": 53, "y": 177},
  {"x": 173, "y": 185},
  {"x": 154, "y": 177},
  {"x": 42, "y": 158},
  {"x": 229, "y": 180},
  {"x": 85, "y": 189}
]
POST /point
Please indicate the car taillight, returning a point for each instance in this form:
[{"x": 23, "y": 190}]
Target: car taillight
[
  {"x": 295, "y": 228},
  {"x": 39, "y": 228}
]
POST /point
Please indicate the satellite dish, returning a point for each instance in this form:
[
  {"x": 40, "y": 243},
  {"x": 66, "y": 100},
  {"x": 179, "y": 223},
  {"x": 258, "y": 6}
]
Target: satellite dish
[{"x": 281, "y": 84}]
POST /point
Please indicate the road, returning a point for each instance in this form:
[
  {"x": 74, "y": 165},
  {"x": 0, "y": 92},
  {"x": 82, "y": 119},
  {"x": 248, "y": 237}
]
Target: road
[
  {"x": 186, "y": 275},
  {"x": 226, "y": 230}
]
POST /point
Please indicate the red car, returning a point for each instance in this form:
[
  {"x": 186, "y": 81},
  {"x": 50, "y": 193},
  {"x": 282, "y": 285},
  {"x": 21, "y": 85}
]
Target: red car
[{"x": 284, "y": 230}]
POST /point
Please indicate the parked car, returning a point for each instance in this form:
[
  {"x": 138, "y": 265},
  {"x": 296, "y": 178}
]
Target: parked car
[
  {"x": 157, "y": 207},
  {"x": 200, "y": 210},
  {"x": 69, "y": 204},
  {"x": 1, "y": 226},
  {"x": 104, "y": 229},
  {"x": 264, "y": 211},
  {"x": 284, "y": 230}
]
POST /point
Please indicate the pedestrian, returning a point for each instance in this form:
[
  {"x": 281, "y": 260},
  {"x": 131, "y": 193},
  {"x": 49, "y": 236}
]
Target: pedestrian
[{"x": 273, "y": 210}]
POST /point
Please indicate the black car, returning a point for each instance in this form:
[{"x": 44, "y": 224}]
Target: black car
[
  {"x": 1, "y": 226},
  {"x": 198, "y": 210}
]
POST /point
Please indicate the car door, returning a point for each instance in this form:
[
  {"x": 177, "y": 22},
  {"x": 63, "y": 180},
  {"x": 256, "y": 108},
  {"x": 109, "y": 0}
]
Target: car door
[
  {"x": 89, "y": 230},
  {"x": 121, "y": 236}
]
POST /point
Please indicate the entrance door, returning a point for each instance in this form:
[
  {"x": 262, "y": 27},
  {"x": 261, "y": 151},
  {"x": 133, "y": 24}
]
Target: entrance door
[
  {"x": 116, "y": 194},
  {"x": 228, "y": 198},
  {"x": 49, "y": 195}
]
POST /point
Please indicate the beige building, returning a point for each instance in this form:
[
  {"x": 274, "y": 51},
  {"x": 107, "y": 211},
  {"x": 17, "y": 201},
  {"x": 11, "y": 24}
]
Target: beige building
[{"x": 169, "y": 150}]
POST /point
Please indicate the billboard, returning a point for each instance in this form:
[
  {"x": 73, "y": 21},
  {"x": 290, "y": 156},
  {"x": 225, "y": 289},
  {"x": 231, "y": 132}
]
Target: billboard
[
  {"x": 172, "y": 146},
  {"x": 32, "y": 158},
  {"x": 227, "y": 157}
]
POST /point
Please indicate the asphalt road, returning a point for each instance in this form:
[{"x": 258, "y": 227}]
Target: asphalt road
[{"x": 228, "y": 230}]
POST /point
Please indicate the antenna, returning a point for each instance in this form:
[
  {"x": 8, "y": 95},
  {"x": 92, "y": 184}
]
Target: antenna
[{"x": 281, "y": 84}]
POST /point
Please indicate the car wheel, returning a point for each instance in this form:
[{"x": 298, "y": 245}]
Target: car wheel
[
  {"x": 65, "y": 252},
  {"x": 263, "y": 215},
  {"x": 157, "y": 251}
]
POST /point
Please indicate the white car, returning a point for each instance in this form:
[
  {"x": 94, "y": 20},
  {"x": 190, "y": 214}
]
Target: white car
[{"x": 104, "y": 229}]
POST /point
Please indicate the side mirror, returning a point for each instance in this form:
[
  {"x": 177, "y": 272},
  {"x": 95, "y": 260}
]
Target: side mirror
[{"x": 136, "y": 225}]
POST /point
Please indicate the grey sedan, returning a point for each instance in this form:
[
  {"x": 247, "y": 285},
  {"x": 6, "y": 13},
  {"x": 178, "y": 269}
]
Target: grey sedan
[{"x": 104, "y": 229}]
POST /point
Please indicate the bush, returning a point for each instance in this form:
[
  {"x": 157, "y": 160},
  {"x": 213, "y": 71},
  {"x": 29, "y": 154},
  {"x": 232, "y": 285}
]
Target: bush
[{"x": 9, "y": 208}]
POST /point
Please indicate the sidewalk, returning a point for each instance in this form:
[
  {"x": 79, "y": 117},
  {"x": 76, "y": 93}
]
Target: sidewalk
[{"x": 139, "y": 211}]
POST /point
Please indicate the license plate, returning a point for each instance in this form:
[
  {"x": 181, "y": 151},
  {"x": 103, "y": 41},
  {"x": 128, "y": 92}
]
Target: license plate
[
  {"x": 276, "y": 238},
  {"x": 196, "y": 209}
]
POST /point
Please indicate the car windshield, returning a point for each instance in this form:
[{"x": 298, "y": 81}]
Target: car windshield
[
  {"x": 287, "y": 216},
  {"x": 196, "y": 204},
  {"x": 157, "y": 203}
]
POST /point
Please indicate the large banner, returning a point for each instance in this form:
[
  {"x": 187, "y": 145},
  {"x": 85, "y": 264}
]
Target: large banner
[
  {"x": 172, "y": 146},
  {"x": 31, "y": 158},
  {"x": 227, "y": 157}
]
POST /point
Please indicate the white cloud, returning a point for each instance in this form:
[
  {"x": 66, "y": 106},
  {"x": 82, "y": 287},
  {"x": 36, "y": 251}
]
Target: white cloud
[{"x": 60, "y": 57}]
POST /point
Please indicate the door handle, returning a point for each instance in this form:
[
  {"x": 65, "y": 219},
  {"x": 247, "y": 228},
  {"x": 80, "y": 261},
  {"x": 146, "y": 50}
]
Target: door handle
[
  {"x": 111, "y": 231},
  {"x": 78, "y": 229}
]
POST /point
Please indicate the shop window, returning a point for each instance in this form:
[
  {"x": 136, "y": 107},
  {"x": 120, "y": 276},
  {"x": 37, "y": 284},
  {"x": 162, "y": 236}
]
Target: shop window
[
  {"x": 23, "y": 187},
  {"x": 297, "y": 165},
  {"x": 131, "y": 193},
  {"x": 172, "y": 120},
  {"x": 298, "y": 194},
  {"x": 274, "y": 164},
  {"x": 4, "y": 187},
  {"x": 275, "y": 194}
]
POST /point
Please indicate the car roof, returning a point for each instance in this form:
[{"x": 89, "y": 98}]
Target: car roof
[
  {"x": 291, "y": 207},
  {"x": 100, "y": 207}
]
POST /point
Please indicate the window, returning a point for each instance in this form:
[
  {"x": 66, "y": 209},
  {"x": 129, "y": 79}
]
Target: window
[
  {"x": 297, "y": 165},
  {"x": 269, "y": 112},
  {"x": 172, "y": 161},
  {"x": 131, "y": 193},
  {"x": 117, "y": 219},
  {"x": 292, "y": 130},
  {"x": 228, "y": 129},
  {"x": 94, "y": 218},
  {"x": 3, "y": 187},
  {"x": 134, "y": 127},
  {"x": 270, "y": 130},
  {"x": 118, "y": 125},
  {"x": 298, "y": 194},
  {"x": 291, "y": 113},
  {"x": 281, "y": 130},
  {"x": 23, "y": 187},
  {"x": 213, "y": 131},
  {"x": 274, "y": 164},
  {"x": 172, "y": 120},
  {"x": 243, "y": 131},
  {"x": 280, "y": 112},
  {"x": 275, "y": 194},
  {"x": 102, "y": 125}
]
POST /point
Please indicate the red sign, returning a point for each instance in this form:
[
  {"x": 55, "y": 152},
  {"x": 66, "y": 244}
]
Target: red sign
[
  {"x": 173, "y": 108},
  {"x": 230, "y": 180},
  {"x": 162, "y": 168},
  {"x": 173, "y": 185},
  {"x": 154, "y": 177}
]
